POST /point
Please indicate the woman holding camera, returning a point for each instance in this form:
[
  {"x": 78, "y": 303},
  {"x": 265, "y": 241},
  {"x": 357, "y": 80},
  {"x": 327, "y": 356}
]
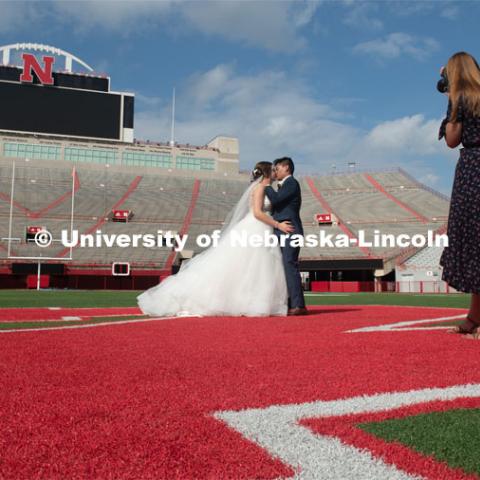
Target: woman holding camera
[{"x": 461, "y": 259}]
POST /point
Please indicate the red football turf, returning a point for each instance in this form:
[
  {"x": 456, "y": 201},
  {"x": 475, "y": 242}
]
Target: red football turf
[{"x": 136, "y": 400}]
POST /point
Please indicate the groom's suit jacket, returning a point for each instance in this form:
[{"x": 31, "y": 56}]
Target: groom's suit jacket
[{"x": 286, "y": 203}]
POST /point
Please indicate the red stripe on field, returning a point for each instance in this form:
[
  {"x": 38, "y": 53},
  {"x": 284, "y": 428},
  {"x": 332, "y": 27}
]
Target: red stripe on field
[
  {"x": 380, "y": 188},
  {"x": 345, "y": 428},
  {"x": 329, "y": 209},
  {"x": 186, "y": 221}
]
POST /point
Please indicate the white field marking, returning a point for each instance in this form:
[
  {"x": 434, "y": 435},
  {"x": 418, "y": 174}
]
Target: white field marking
[
  {"x": 314, "y": 456},
  {"x": 108, "y": 314},
  {"x": 65, "y": 308},
  {"x": 385, "y": 305},
  {"x": 90, "y": 325},
  {"x": 399, "y": 326},
  {"x": 69, "y": 318}
]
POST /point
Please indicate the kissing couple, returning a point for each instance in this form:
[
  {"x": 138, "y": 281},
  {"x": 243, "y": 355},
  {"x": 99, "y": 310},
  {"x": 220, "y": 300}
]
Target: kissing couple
[{"x": 246, "y": 280}]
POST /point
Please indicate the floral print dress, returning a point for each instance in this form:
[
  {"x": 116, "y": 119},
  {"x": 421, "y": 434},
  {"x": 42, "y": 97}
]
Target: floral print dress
[{"x": 461, "y": 259}]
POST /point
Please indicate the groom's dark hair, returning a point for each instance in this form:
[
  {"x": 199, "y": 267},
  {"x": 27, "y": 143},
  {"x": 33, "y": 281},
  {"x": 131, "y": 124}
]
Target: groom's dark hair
[{"x": 285, "y": 161}]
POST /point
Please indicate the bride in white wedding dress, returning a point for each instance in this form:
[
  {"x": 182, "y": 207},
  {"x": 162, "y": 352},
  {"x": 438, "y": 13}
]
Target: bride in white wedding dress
[{"x": 228, "y": 279}]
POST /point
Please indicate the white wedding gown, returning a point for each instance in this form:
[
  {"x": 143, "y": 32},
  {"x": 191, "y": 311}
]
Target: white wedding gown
[{"x": 225, "y": 280}]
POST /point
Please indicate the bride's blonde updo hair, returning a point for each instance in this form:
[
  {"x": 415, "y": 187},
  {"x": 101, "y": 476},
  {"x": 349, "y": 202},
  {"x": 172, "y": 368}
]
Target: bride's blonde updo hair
[{"x": 261, "y": 169}]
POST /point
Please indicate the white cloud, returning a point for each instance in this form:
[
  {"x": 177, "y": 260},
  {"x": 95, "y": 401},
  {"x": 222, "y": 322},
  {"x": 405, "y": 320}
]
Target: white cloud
[
  {"x": 207, "y": 86},
  {"x": 19, "y": 15},
  {"x": 150, "y": 102},
  {"x": 270, "y": 25},
  {"x": 304, "y": 16},
  {"x": 273, "y": 115},
  {"x": 113, "y": 15},
  {"x": 451, "y": 12},
  {"x": 430, "y": 179},
  {"x": 360, "y": 15},
  {"x": 404, "y": 8},
  {"x": 396, "y": 44},
  {"x": 411, "y": 135}
]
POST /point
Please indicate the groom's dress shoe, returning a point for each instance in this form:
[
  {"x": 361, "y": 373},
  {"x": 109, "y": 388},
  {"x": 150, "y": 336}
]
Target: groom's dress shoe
[{"x": 297, "y": 311}]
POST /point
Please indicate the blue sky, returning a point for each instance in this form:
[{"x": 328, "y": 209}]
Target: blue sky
[{"x": 326, "y": 82}]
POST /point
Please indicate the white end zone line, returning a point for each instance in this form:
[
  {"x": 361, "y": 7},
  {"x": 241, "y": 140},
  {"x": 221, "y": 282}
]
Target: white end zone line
[
  {"x": 400, "y": 326},
  {"x": 314, "y": 456}
]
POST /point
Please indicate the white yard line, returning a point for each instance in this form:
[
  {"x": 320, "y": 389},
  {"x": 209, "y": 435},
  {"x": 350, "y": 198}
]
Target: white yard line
[
  {"x": 400, "y": 326},
  {"x": 314, "y": 456}
]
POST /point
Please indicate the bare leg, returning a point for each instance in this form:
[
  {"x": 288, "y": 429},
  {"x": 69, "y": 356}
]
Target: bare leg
[
  {"x": 472, "y": 322},
  {"x": 474, "y": 316},
  {"x": 474, "y": 312}
]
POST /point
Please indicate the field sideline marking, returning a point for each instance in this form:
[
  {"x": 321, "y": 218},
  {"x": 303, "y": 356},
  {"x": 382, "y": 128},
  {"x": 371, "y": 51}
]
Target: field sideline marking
[
  {"x": 90, "y": 325},
  {"x": 314, "y": 456},
  {"x": 398, "y": 326}
]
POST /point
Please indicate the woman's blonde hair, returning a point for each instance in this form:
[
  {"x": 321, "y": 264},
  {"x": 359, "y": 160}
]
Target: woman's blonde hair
[{"x": 463, "y": 76}]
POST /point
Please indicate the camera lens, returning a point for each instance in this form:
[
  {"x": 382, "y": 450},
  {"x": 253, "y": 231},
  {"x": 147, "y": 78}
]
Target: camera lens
[{"x": 442, "y": 84}]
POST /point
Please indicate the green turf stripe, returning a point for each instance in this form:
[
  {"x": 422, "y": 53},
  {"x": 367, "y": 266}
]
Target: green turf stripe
[
  {"x": 452, "y": 436},
  {"x": 47, "y": 325},
  {"x": 68, "y": 298}
]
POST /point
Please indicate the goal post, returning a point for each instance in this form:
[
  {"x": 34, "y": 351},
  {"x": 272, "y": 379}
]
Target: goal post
[{"x": 29, "y": 230}]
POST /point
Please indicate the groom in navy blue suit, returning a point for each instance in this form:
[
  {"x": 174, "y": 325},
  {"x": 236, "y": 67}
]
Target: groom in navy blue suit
[{"x": 286, "y": 203}]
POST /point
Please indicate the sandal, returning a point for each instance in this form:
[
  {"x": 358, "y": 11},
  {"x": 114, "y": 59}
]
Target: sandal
[
  {"x": 473, "y": 336},
  {"x": 468, "y": 326}
]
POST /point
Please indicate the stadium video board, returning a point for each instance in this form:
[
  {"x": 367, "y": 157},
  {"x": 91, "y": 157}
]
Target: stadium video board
[{"x": 63, "y": 111}]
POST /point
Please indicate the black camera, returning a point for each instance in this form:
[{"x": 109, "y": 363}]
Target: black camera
[{"x": 442, "y": 84}]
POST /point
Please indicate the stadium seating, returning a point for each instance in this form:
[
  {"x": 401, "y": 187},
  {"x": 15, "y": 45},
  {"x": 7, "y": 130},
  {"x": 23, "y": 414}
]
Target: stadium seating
[
  {"x": 166, "y": 201},
  {"x": 426, "y": 258}
]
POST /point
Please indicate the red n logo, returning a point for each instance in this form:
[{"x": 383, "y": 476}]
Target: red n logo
[{"x": 30, "y": 63}]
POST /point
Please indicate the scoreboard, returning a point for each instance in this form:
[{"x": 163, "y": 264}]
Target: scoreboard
[{"x": 36, "y": 101}]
